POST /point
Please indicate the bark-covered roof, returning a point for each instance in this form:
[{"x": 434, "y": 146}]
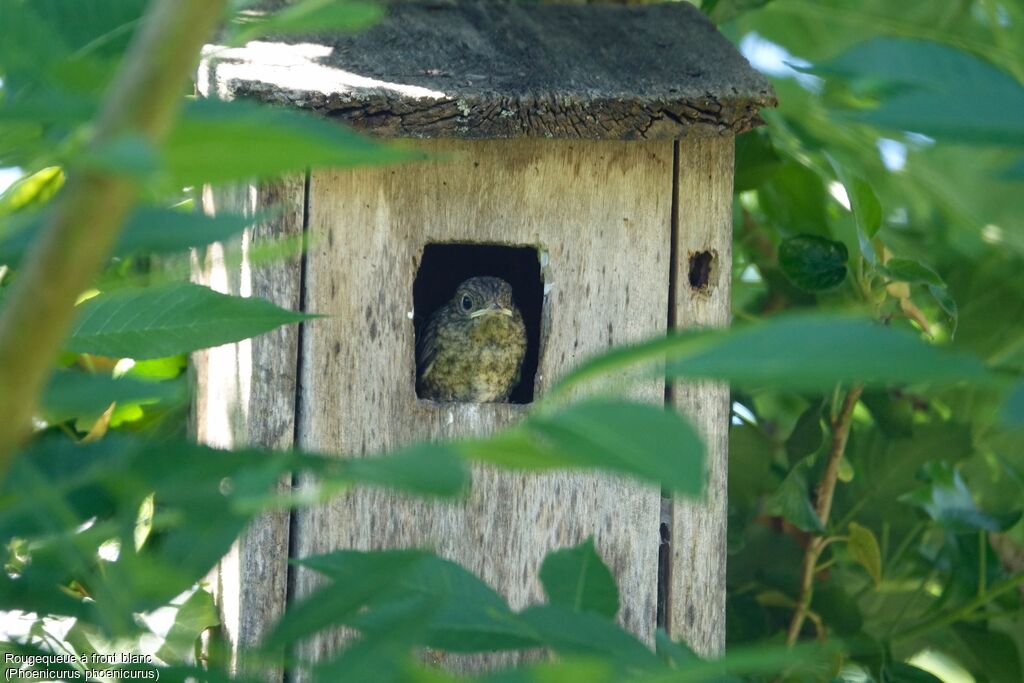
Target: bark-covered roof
[{"x": 469, "y": 69}]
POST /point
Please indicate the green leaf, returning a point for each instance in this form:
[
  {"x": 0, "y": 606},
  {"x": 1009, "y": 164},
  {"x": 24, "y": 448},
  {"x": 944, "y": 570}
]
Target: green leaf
[
  {"x": 426, "y": 468},
  {"x": 153, "y": 230},
  {"x": 756, "y": 160},
  {"x": 72, "y": 394},
  {"x": 582, "y": 633},
  {"x": 219, "y": 141},
  {"x": 933, "y": 89},
  {"x": 309, "y": 16},
  {"x": 357, "y": 579},
  {"x": 577, "y": 578},
  {"x": 807, "y": 434},
  {"x": 1013, "y": 409},
  {"x": 813, "y": 263},
  {"x": 912, "y": 272},
  {"x": 898, "y": 672},
  {"x": 641, "y": 440},
  {"x": 809, "y": 352},
  {"x": 792, "y": 500},
  {"x": 947, "y": 500},
  {"x": 164, "y": 320},
  {"x": 863, "y": 548},
  {"x": 193, "y": 617}
]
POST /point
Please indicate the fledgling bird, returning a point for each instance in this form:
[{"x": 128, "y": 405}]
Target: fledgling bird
[{"x": 472, "y": 348}]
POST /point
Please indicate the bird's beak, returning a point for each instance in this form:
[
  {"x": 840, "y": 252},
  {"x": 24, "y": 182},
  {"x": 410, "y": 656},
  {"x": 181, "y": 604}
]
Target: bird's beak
[{"x": 493, "y": 308}]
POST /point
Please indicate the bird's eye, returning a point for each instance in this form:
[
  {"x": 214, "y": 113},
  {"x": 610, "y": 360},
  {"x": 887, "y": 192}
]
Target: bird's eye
[{"x": 467, "y": 303}]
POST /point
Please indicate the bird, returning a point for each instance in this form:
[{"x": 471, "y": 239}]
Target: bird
[{"x": 472, "y": 348}]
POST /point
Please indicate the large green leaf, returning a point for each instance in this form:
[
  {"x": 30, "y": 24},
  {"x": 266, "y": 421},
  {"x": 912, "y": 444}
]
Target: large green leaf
[
  {"x": 577, "y": 578},
  {"x": 164, "y": 320},
  {"x": 637, "y": 439},
  {"x": 932, "y": 89},
  {"x": 77, "y": 394},
  {"x": 813, "y": 263},
  {"x": 219, "y": 141},
  {"x": 799, "y": 352}
]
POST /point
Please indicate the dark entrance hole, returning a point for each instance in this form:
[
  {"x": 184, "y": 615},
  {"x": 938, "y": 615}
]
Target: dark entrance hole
[
  {"x": 445, "y": 266},
  {"x": 700, "y": 269}
]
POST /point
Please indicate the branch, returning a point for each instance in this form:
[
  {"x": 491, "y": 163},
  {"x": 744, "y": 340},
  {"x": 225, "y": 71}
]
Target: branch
[
  {"x": 823, "y": 508},
  {"x": 76, "y": 240}
]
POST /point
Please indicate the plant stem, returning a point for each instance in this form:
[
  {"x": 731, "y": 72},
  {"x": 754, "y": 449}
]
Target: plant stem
[
  {"x": 823, "y": 508},
  {"x": 75, "y": 241}
]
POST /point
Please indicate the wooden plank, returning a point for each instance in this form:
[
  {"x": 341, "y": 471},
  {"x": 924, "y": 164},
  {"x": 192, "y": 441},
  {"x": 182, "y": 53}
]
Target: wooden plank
[
  {"x": 701, "y": 295},
  {"x": 245, "y": 392},
  {"x": 469, "y": 69},
  {"x": 600, "y": 213}
]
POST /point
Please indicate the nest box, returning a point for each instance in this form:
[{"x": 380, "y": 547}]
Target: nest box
[{"x": 583, "y": 154}]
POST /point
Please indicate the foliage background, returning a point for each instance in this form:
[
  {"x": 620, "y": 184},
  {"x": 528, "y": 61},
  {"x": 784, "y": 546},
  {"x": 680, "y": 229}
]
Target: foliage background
[{"x": 886, "y": 185}]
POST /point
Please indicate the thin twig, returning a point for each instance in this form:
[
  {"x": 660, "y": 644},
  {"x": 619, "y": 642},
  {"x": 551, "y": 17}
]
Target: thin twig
[
  {"x": 73, "y": 244},
  {"x": 823, "y": 508}
]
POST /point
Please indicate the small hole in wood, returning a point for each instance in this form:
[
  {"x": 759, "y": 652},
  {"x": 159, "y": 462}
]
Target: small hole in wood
[
  {"x": 444, "y": 266},
  {"x": 700, "y": 269}
]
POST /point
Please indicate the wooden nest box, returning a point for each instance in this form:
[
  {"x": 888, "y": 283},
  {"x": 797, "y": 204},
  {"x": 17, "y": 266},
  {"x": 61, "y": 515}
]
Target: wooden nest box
[{"x": 585, "y": 155}]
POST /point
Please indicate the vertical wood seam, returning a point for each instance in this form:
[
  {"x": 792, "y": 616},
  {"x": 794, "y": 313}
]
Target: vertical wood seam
[
  {"x": 293, "y": 532},
  {"x": 664, "y": 599}
]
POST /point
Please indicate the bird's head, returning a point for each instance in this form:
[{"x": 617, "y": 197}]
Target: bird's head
[{"x": 484, "y": 296}]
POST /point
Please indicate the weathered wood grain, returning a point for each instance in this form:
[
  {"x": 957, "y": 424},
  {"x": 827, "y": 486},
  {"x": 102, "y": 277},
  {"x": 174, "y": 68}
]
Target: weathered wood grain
[
  {"x": 703, "y": 237},
  {"x": 469, "y": 69},
  {"x": 599, "y": 211},
  {"x": 245, "y": 392}
]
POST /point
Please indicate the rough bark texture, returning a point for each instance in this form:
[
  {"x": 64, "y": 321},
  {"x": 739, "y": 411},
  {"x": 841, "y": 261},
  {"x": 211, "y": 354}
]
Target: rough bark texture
[
  {"x": 367, "y": 229},
  {"x": 245, "y": 395},
  {"x": 501, "y": 70},
  {"x": 703, "y": 264}
]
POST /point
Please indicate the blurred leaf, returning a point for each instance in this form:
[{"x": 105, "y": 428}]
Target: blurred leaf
[
  {"x": 756, "y": 160},
  {"x": 577, "y": 578},
  {"x": 641, "y": 440},
  {"x": 913, "y": 81},
  {"x": 813, "y": 263},
  {"x": 1013, "y": 410},
  {"x": 911, "y": 272},
  {"x": 219, "y": 141},
  {"x": 568, "y": 632},
  {"x": 674, "y": 652},
  {"x": 72, "y": 394},
  {"x": 424, "y": 468},
  {"x": 795, "y": 199},
  {"x": 988, "y": 652},
  {"x": 194, "y": 616},
  {"x": 797, "y": 352},
  {"x": 863, "y": 549},
  {"x": 309, "y": 16},
  {"x": 807, "y": 434},
  {"x": 792, "y": 501},
  {"x": 357, "y": 579},
  {"x": 164, "y": 320},
  {"x": 893, "y": 415},
  {"x": 158, "y": 231},
  {"x": 947, "y": 500},
  {"x": 898, "y": 672}
]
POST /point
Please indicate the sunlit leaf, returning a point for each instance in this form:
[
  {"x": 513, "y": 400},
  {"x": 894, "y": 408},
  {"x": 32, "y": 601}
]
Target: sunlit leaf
[
  {"x": 863, "y": 548},
  {"x": 164, "y": 320}
]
